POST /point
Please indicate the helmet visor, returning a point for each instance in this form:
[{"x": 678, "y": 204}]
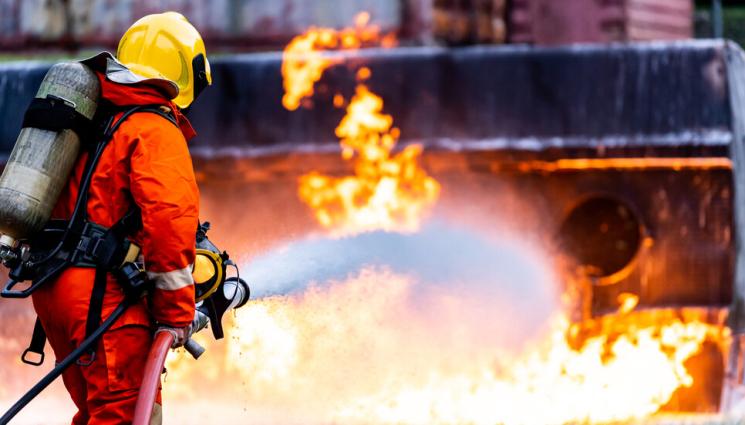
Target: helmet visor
[{"x": 200, "y": 72}]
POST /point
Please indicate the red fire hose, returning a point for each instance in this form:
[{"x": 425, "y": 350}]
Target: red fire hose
[
  {"x": 164, "y": 340},
  {"x": 151, "y": 380}
]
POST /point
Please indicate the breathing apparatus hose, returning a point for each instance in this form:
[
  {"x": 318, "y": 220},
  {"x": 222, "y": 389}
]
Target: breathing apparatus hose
[{"x": 67, "y": 362}]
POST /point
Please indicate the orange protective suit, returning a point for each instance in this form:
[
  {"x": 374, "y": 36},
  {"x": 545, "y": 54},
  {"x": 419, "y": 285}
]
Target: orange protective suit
[{"x": 147, "y": 162}]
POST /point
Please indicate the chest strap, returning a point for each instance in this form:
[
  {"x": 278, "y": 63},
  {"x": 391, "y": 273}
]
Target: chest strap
[{"x": 108, "y": 248}]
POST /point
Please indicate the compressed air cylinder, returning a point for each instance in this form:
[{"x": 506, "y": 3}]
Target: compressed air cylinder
[{"x": 41, "y": 160}]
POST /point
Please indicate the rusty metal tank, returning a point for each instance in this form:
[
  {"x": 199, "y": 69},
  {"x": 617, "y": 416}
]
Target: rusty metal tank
[{"x": 41, "y": 160}]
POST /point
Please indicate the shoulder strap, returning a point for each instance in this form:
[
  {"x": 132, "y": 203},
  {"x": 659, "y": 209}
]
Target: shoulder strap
[
  {"x": 81, "y": 211},
  {"x": 163, "y": 111}
]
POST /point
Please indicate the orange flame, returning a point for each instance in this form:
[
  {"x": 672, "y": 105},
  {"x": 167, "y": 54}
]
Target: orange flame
[
  {"x": 388, "y": 191},
  {"x": 356, "y": 352},
  {"x": 628, "y": 302},
  {"x": 303, "y": 61}
]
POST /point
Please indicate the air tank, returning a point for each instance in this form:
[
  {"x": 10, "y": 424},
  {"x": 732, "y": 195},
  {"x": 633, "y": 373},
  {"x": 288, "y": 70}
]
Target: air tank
[{"x": 41, "y": 161}]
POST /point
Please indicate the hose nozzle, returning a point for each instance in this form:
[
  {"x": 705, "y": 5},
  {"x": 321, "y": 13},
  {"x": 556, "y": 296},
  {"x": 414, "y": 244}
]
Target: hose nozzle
[
  {"x": 234, "y": 294},
  {"x": 236, "y": 290}
]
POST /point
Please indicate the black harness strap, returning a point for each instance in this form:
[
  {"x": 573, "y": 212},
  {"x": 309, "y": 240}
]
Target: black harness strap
[
  {"x": 110, "y": 255},
  {"x": 94, "y": 311},
  {"x": 107, "y": 248},
  {"x": 163, "y": 111},
  {"x": 38, "y": 341},
  {"x": 56, "y": 114},
  {"x": 130, "y": 222}
]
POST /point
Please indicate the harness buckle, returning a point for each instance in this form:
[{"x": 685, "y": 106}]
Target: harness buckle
[
  {"x": 89, "y": 240},
  {"x": 25, "y": 359},
  {"x": 133, "y": 280},
  {"x": 97, "y": 250},
  {"x": 97, "y": 246}
]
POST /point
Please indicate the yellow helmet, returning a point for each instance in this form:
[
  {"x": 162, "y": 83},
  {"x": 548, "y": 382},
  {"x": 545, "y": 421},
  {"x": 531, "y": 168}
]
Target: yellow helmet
[{"x": 167, "y": 46}]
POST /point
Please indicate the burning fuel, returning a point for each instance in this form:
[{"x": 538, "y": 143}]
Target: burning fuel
[
  {"x": 388, "y": 191},
  {"x": 393, "y": 319},
  {"x": 303, "y": 61},
  {"x": 398, "y": 337},
  {"x": 360, "y": 351}
]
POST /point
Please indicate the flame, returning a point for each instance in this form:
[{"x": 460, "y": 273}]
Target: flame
[
  {"x": 385, "y": 348},
  {"x": 388, "y": 191},
  {"x": 627, "y": 302},
  {"x": 303, "y": 61}
]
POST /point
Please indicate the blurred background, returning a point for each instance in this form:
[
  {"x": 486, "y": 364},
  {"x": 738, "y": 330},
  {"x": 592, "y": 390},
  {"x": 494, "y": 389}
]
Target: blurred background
[{"x": 29, "y": 26}]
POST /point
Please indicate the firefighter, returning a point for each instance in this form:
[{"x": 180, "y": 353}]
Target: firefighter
[{"x": 146, "y": 169}]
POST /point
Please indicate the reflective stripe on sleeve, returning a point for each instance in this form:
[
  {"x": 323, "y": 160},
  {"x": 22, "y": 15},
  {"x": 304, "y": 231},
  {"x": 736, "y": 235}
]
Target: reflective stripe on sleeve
[{"x": 173, "y": 280}]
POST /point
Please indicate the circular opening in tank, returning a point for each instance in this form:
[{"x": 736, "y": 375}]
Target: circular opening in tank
[{"x": 602, "y": 235}]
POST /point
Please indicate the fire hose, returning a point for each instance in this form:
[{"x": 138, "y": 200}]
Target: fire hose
[
  {"x": 151, "y": 379},
  {"x": 192, "y": 347},
  {"x": 234, "y": 293},
  {"x": 154, "y": 367}
]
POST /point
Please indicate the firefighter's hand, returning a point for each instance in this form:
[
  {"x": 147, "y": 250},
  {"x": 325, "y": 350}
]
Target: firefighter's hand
[{"x": 180, "y": 335}]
